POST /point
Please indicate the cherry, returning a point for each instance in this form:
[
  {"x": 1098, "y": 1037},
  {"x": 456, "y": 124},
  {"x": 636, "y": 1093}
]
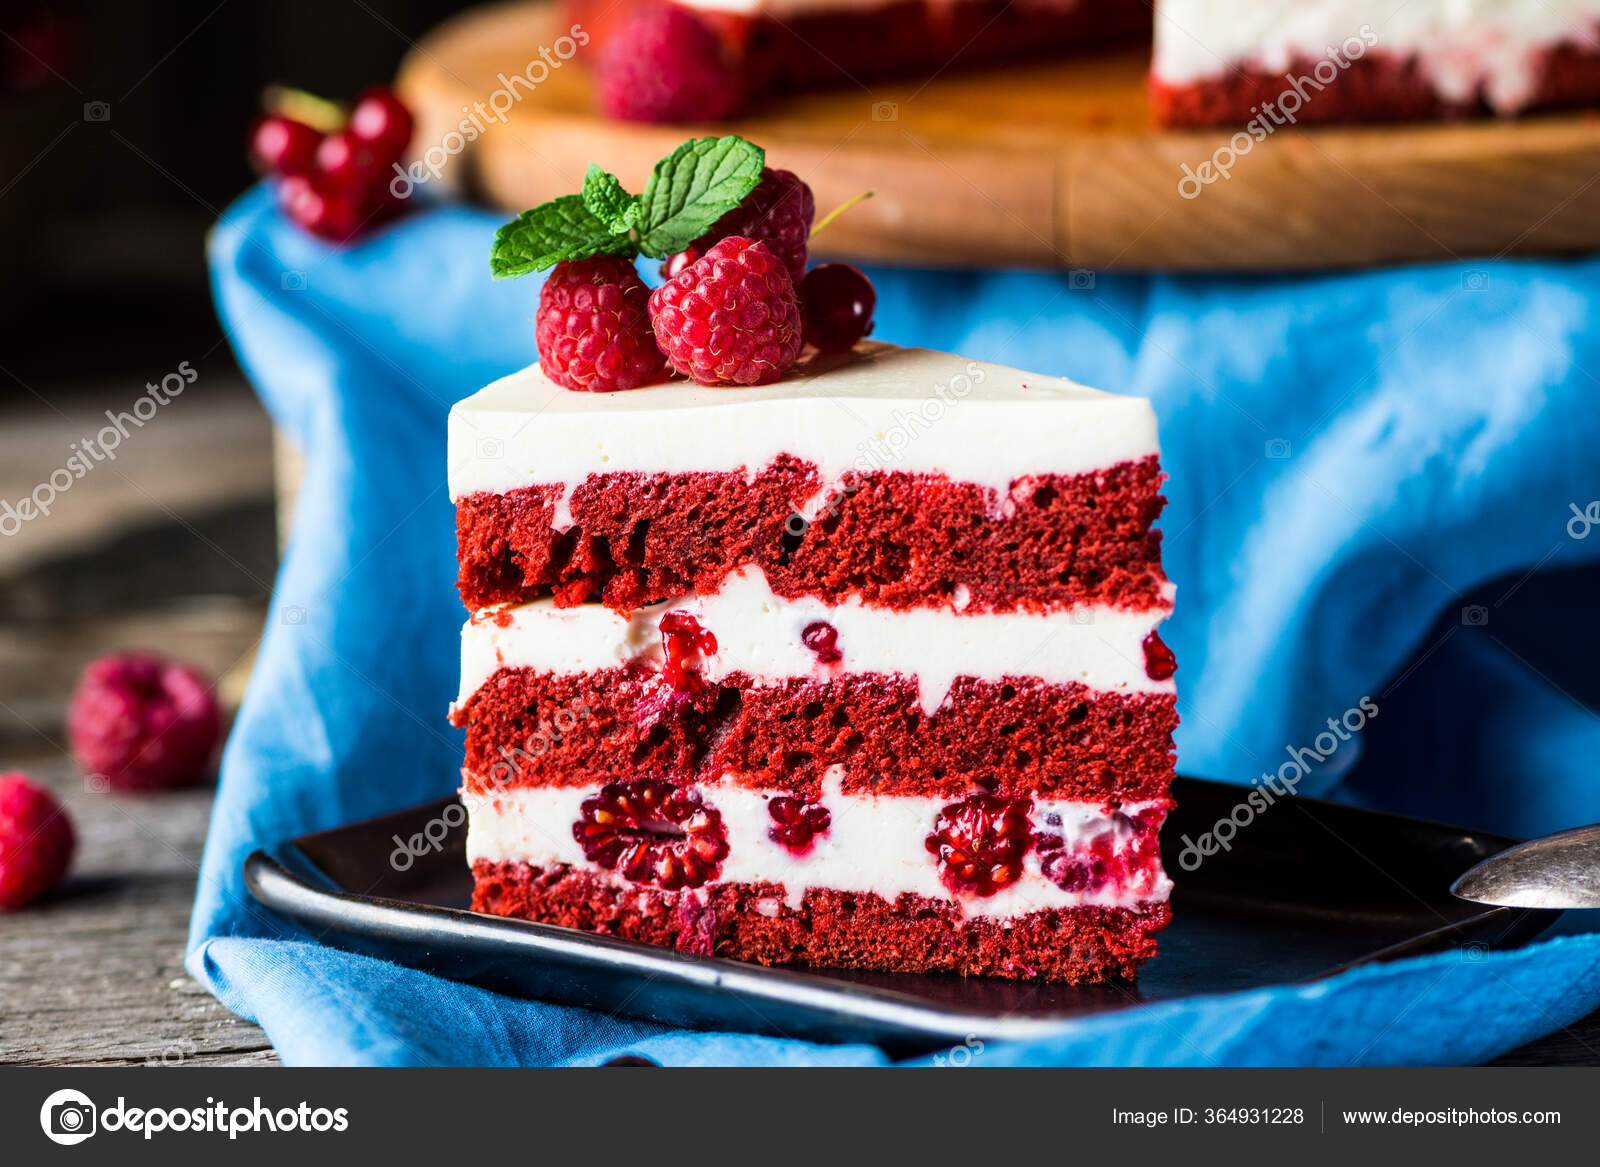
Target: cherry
[
  {"x": 1159, "y": 663},
  {"x": 382, "y": 121},
  {"x": 837, "y": 301},
  {"x": 280, "y": 145}
]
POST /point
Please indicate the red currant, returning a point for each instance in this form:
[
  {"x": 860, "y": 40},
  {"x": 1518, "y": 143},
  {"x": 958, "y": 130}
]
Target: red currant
[
  {"x": 676, "y": 263},
  {"x": 283, "y": 146},
  {"x": 344, "y": 157},
  {"x": 837, "y": 301},
  {"x": 382, "y": 121},
  {"x": 330, "y": 210}
]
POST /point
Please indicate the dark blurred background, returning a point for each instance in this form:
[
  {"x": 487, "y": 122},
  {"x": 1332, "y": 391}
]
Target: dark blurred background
[{"x": 122, "y": 134}]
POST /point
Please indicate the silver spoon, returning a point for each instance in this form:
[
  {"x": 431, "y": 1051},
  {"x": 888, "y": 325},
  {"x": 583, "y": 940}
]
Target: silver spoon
[{"x": 1556, "y": 871}]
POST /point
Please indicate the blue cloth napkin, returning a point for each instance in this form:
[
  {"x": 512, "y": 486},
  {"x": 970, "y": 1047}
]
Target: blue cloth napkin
[{"x": 1374, "y": 484}]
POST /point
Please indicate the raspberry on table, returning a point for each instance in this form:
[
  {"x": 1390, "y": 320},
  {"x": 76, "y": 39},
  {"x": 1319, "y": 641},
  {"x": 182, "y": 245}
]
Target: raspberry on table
[
  {"x": 778, "y": 212},
  {"x": 731, "y": 317},
  {"x": 593, "y": 327},
  {"x": 667, "y": 65},
  {"x": 36, "y": 841},
  {"x": 144, "y": 723}
]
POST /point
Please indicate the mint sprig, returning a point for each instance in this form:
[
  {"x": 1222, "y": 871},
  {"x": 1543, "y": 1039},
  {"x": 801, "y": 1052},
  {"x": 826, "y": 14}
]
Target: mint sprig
[
  {"x": 607, "y": 201},
  {"x": 693, "y": 187},
  {"x": 688, "y": 191}
]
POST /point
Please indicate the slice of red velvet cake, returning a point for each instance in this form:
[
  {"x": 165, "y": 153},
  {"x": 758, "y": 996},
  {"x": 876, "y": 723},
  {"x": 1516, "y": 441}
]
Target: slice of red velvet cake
[
  {"x": 771, "y": 47},
  {"x": 1257, "y": 64},
  {"x": 858, "y": 668}
]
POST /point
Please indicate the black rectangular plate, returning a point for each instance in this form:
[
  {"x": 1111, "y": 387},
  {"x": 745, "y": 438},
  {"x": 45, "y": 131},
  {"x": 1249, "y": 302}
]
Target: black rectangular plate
[{"x": 1305, "y": 889}]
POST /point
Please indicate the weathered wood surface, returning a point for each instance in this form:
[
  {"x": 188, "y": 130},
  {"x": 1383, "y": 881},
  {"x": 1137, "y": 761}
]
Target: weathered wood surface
[{"x": 170, "y": 546}]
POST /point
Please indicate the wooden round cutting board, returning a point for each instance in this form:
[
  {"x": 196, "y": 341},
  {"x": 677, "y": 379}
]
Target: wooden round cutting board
[{"x": 1054, "y": 165}]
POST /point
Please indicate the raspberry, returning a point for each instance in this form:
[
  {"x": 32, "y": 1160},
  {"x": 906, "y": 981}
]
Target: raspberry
[
  {"x": 143, "y": 722},
  {"x": 593, "y": 329},
  {"x": 778, "y": 212},
  {"x": 980, "y": 842},
  {"x": 822, "y": 639},
  {"x": 667, "y": 65},
  {"x": 653, "y": 832},
  {"x": 731, "y": 317},
  {"x": 1159, "y": 663},
  {"x": 36, "y": 841},
  {"x": 683, "y": 643},
  {"x": 1119, "y": 855},
  {"x": 796, "y": 823}
]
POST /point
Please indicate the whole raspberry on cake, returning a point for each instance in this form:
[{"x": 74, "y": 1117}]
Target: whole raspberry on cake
[
  {"x": 728, "y": 317},
  {"x": 857, "y": 668}
]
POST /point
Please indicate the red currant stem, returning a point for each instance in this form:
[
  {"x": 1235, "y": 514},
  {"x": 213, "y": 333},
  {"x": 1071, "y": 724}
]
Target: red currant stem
[
  {"x": 839, "y": 210},
  {"x": 317, "y": 112}
]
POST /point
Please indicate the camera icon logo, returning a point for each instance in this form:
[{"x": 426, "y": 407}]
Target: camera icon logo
[
  {"x": 1277, "y": 448},
  {"x": 293, "y": 281},
  {"x": 491, "y": 448},
  {"x": 68, "y": 1117},
  {"x": 294, "y": 614},
  {"x": 1080, "y": 279},
  {"x": 97, "y": 111},
  {"x": 1475, "y": 616},
  {"x": 1474, "y": 281},
  {"x": 885, "y": 111}
]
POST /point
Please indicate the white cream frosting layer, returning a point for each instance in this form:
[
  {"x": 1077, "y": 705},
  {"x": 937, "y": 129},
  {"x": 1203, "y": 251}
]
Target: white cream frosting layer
[
  {"x": 880, "y": 408},
  {"x": 1464, "y": 47},
  {"x": 759, "y": 634},
  {"x": 873, "y": 844}
]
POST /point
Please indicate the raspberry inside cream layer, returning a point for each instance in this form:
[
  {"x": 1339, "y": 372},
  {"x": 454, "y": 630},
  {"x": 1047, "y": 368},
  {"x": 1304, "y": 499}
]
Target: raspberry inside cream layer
[
  {"x": 873, "y": 844},
  {"x": 1465, "y": 48},
  {"x": 763, "y": 636}
]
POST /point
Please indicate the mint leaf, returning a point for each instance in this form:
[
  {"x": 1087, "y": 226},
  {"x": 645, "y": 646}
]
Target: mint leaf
[
  {"x": 692, "y": 188},
  {"x": 607, "y": 201},
  {"x": 558, "y": 230}
]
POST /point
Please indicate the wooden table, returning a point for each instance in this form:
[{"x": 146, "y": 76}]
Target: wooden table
[
  {"x": 175, "y": 553},
  {"x": 170, "y": 546}
]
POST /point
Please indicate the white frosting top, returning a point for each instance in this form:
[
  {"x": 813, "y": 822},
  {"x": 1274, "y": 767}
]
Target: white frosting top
[
  {"x": 879, "y": 408},
  {"x": 1464, "y": 47},
  {"x": 873, "y": 844},
  {"x": 759, "y": 634}
]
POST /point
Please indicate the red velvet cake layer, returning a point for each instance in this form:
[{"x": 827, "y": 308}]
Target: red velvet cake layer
[
  {"x": 831, "y": 928},
  {"x": 1379, "y": 87},
  {"x": 897, "y": 540},
  {"x": 840, "y": 47},
  {"x": 1019, "y": 737}
]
